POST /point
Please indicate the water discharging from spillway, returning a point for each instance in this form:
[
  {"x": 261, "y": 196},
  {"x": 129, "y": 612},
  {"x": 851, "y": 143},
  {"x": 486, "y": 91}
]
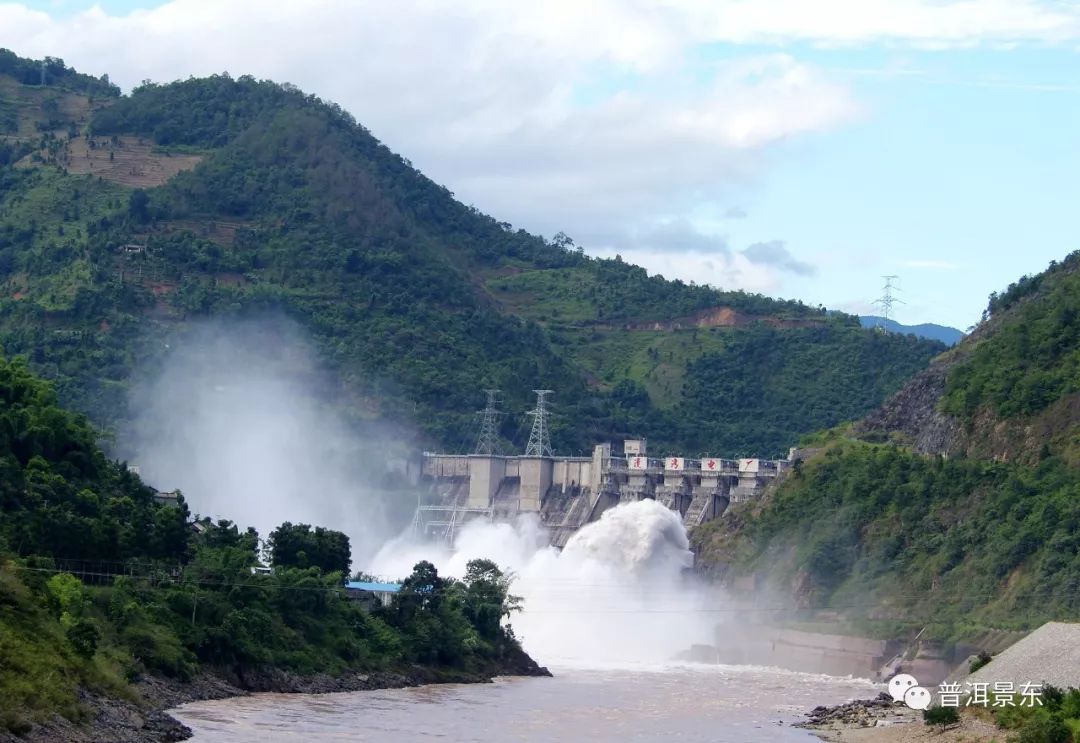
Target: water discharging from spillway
[
  {"x": 607, "y": 614},
  {"x": 616, "y": 594}
]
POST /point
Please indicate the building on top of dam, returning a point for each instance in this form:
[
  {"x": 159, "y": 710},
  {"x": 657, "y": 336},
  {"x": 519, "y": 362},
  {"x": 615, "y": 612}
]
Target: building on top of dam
[{"x": 569, "y": 492}]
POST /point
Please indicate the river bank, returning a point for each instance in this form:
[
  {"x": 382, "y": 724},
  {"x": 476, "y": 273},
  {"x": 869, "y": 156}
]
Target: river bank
[
  {"x": 143, "y": 718},
  {"x": 881, "y": 720}
]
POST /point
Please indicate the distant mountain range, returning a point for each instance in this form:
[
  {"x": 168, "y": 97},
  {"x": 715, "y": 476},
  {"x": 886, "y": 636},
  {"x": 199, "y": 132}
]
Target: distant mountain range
[{"x": 948, "y": 336}]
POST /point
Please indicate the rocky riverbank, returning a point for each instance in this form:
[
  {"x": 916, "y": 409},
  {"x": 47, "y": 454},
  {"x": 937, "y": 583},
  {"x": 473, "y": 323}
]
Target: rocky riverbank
[
  {"x": 881, "y": 720},
  {"x": 142, "y": 718}
]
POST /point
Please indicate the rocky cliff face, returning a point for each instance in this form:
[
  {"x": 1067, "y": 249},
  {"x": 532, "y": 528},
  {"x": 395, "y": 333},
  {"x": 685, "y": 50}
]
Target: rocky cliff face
[{"x": 912, "y": 414}]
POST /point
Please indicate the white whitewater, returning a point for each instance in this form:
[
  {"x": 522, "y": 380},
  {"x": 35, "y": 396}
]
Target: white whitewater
[
  {"x": 615, "y": 595},
  {"x": 607, "y": 614}
]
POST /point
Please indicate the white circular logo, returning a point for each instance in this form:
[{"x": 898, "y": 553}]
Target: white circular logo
[
  {"x": 899, "y": 685},
  {"x": 917, "y": 698}
]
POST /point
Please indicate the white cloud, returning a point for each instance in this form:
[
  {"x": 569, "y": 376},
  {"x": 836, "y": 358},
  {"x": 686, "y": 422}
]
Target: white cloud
[
  {"x": 775, "y": 253},
  {"x": 493, "y": 99},
  {"x": 680, "y": 250},
  {"x": 725, "y": 271}
]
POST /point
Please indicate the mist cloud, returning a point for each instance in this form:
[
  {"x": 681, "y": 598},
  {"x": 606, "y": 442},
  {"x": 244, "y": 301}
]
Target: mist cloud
[{"x": 241, "y": 418}]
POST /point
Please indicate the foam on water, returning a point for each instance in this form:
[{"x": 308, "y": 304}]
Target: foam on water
[{"x": 616, "y": 595}]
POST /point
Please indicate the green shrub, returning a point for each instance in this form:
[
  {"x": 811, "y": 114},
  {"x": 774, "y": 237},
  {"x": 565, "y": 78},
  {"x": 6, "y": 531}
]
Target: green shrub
[
  {"x": 66, "y": 597},
  {"x": 84, "y": 637},
  {"x": 1070, "y": 704},
  {"x": 14, "y": 722},
  {"x": 943, "y": 716},
  {"x": 1043, "y": 727},
  {"x": 982, "y": 659},
  {"x": 160, "y": 650}
]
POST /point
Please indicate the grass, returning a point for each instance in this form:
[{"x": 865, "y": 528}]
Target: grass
[
  {"x": 657, "y": 359},
  {"x": 36, "y": 676},
  {"x": 557, "y": 295},
  {"x": 32, "y": 105},
  {"x": 564, "y": 299}
]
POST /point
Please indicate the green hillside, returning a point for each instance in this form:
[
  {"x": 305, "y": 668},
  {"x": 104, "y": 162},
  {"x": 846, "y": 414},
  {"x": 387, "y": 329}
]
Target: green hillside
[
  {"x": 215, "y": 198},
  {"x": 158, "y": 596},
  {"x": 983, "y": 532}
]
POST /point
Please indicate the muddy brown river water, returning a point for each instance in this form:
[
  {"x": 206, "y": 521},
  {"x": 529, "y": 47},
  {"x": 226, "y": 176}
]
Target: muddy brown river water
[{"x": 685, "y": 703}]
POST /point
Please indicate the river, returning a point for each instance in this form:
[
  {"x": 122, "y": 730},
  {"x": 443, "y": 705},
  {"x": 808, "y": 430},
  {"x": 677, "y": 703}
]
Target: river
[
  {"x": 685, "y": 703},
  {"x": 605, "y": 614}
]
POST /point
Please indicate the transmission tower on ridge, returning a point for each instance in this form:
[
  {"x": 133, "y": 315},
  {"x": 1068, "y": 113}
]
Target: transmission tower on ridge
[
  {"x": 540, "y": 436},
  {"x": 887, "y": 300},
  {"x": 489, "y": 435}
]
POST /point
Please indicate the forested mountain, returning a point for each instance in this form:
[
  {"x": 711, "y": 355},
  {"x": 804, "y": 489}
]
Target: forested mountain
[
  {"x": 956, "y": 505},
  {"x": 125, "y": 219},
  {"x": 161, "y": 595}
]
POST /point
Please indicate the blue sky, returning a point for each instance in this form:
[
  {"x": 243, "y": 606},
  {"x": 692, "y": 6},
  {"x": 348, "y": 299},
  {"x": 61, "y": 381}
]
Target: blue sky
[
  {"x": 798, "y": 149},
  {"x": 961, "y": 176}
]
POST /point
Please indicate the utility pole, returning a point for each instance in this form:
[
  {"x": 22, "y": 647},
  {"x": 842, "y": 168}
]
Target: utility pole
[
  {"x": 488, "y": 439},
  {"x": 540, "y": 436},
  {"x": 887, "y": 300}
]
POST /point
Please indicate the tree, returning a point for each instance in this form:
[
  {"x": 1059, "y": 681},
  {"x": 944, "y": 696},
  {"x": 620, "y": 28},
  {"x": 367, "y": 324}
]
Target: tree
[
  {"x": 424, "y": 585},
  {"x": 943, "y": 716},
  {"x": 487, "y": 597},
  {"x": 139, "y": 206},
  {"x": 226, "y": 534},
  {"x": 301, "y": 546},
  {"x": 67, "y": 596},
  {"x": 563, "y": 241}
]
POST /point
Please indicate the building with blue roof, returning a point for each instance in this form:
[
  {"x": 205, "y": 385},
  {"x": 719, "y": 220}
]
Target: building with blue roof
[{"x": 371, "y": 594}]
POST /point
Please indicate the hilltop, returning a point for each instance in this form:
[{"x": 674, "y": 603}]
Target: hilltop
[
  {"x": 954, "y": 506},
  {"x": 126, "y": 219},
  {"x": 933, "y": 331}
]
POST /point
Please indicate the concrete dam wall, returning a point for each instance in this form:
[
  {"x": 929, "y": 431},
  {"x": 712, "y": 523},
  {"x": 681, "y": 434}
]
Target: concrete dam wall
[{"x": 568, "y": 492}]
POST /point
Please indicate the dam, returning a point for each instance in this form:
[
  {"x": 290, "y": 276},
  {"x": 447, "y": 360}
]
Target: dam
[{"x": 568, "y": 492}]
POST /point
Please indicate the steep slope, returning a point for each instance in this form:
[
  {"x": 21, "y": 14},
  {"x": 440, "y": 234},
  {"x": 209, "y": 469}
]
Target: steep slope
[
  {"x": 219, "y": 198},
  {"x": 984, "y": 536},
  {"x": 1010, "y": 391}
]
